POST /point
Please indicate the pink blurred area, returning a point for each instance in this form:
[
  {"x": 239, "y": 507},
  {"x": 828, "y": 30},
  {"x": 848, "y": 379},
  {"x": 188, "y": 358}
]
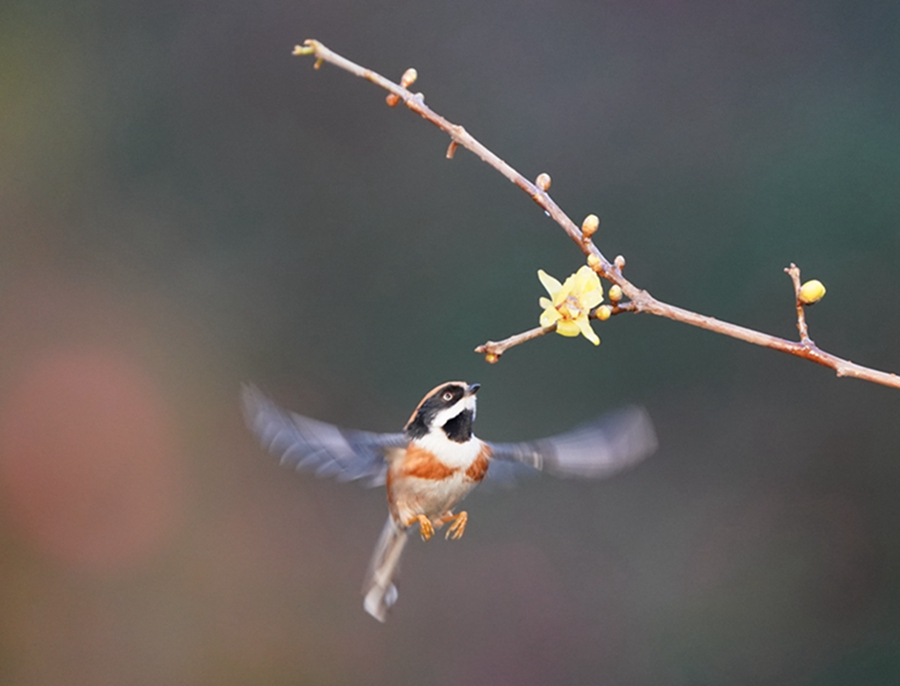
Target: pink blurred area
[
  {"x": 143, "y": 538},
  {"x": 90, "y": 466}
]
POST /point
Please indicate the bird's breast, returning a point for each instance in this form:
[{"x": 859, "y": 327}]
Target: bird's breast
[
  {"x": 420, "y": 481},
  {"x": 450, "y": 454}
]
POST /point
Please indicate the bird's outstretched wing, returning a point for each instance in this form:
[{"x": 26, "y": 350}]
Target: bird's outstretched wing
[
  {"x": 601, "y": 448},
  {"x": 310, "y": 445}
]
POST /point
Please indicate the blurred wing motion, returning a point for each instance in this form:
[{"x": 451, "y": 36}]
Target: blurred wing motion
[
  {"x": 595, "y": 450},
  {"x": 310, "y": 445}
]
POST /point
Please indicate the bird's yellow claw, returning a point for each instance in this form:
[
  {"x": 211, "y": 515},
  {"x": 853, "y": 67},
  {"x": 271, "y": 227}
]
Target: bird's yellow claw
[
  {"x": 426, "y": 528},
  {"x": 458, "y": 528}
]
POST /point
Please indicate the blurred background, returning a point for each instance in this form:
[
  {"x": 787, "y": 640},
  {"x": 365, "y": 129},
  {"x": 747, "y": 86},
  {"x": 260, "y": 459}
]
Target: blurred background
[{"x": 185, "y": 206}]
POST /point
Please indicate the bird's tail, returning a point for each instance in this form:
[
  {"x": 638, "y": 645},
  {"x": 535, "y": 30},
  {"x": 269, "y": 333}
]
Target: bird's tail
[{"x": 379, "y": 589}]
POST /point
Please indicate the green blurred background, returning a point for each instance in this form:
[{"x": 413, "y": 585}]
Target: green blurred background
[{"x": 185, "y": 207}]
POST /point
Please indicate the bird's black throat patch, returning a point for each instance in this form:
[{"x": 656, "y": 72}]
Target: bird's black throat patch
[{"x": 459, "y": 429}]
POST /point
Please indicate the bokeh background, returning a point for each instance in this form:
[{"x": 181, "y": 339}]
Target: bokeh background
[{"x": 186, "y": 207}]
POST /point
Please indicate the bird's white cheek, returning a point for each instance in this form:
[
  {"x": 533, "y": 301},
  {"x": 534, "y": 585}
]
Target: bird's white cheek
[{"x": 444, "y": 416}]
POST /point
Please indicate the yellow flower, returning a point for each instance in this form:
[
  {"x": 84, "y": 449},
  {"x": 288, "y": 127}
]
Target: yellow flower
[{"x": 570, "y": 303}]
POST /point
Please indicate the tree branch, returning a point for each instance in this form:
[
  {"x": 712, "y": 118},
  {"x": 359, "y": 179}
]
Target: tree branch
[{"x": 640, "y": 300}]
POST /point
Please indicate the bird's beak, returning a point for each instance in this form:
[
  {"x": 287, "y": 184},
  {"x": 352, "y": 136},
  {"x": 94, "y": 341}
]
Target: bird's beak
[{"x": 473, "y": 388}]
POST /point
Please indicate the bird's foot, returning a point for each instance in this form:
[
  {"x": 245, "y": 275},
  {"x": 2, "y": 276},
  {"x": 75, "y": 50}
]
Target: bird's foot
[
  {"x": 458, "y": 527},
  {"x": 426, "y": 528}
]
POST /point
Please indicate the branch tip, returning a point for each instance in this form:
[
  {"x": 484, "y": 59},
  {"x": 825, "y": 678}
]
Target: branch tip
[{"x": 308, "y": 49}]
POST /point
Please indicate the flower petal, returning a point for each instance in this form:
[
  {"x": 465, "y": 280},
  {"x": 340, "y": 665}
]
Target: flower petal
[
  {"x": 566, "y": 327},
  {"x": 551, "y": 284},
  {"x": 564, "y": 291},
  {"x": 583, "y": 276},
  {"x": 591, "y": 299},
  {"x": 549, "y": 316},
  {"x": 588, "y": 279},
  {"x": 545, "y": 303},
  {"x": 584, "y": 327}
]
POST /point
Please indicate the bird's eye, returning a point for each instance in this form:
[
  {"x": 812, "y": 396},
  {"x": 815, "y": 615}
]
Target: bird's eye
[{"x": 447, "y": 397}]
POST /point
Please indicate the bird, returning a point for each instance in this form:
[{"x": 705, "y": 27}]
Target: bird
[{"x": 435, "y": 461}]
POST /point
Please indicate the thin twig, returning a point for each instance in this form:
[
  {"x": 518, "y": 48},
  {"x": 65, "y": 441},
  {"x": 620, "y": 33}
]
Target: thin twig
[
  {"x": 494, "y": 349},
  {"x": 640, "y": 300},
  {"x": 794, "y": 272}
]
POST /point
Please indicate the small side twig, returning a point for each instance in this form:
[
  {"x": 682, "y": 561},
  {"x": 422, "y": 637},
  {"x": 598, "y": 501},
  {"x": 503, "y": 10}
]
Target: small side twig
[
  {"x": 640, "y": 300},
  {"x": 492, "y": 350},
  {"x": 794, "y": 272}
]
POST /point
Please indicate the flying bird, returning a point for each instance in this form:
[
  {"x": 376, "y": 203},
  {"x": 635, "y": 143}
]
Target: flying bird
[{"x": 429, "y": 467}]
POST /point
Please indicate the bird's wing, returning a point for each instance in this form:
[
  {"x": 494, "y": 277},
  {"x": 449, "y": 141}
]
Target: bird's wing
[
  {"x": 310, "y": 445},
  {"x": 595, "y": 450}
]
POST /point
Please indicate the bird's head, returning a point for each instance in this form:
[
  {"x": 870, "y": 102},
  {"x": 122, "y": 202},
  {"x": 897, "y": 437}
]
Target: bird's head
[{"x": 449, "y": 407}]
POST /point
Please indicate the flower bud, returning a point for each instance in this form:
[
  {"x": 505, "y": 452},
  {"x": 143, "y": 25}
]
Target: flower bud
[
  {"x": 491, "y": 358},
  {"x": 590, "y": 225},
  {"x": 409, "y": 78},
  {"x": 593, "y": 261},
  {"x": 543, "y": 181},
  {"x": 811, "y": 292},
  {"x": 619, "y": 262},
  {"x": 615, "y": 293},
  {"x": 604, "y": 312}
]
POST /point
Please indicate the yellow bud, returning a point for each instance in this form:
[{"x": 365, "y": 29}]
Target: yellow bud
[
  {"x": 590, "y": 225},
  {"x": 543, "y": 181},
  {"x": 811, "y": 292},
  {"x": 491, "y": 358},
  {"x": 604, "y": 312},
  {"x": 615, "y": 292},
  {"x": 593, "y": 261},
  {"x": 619, "y": 262}
]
